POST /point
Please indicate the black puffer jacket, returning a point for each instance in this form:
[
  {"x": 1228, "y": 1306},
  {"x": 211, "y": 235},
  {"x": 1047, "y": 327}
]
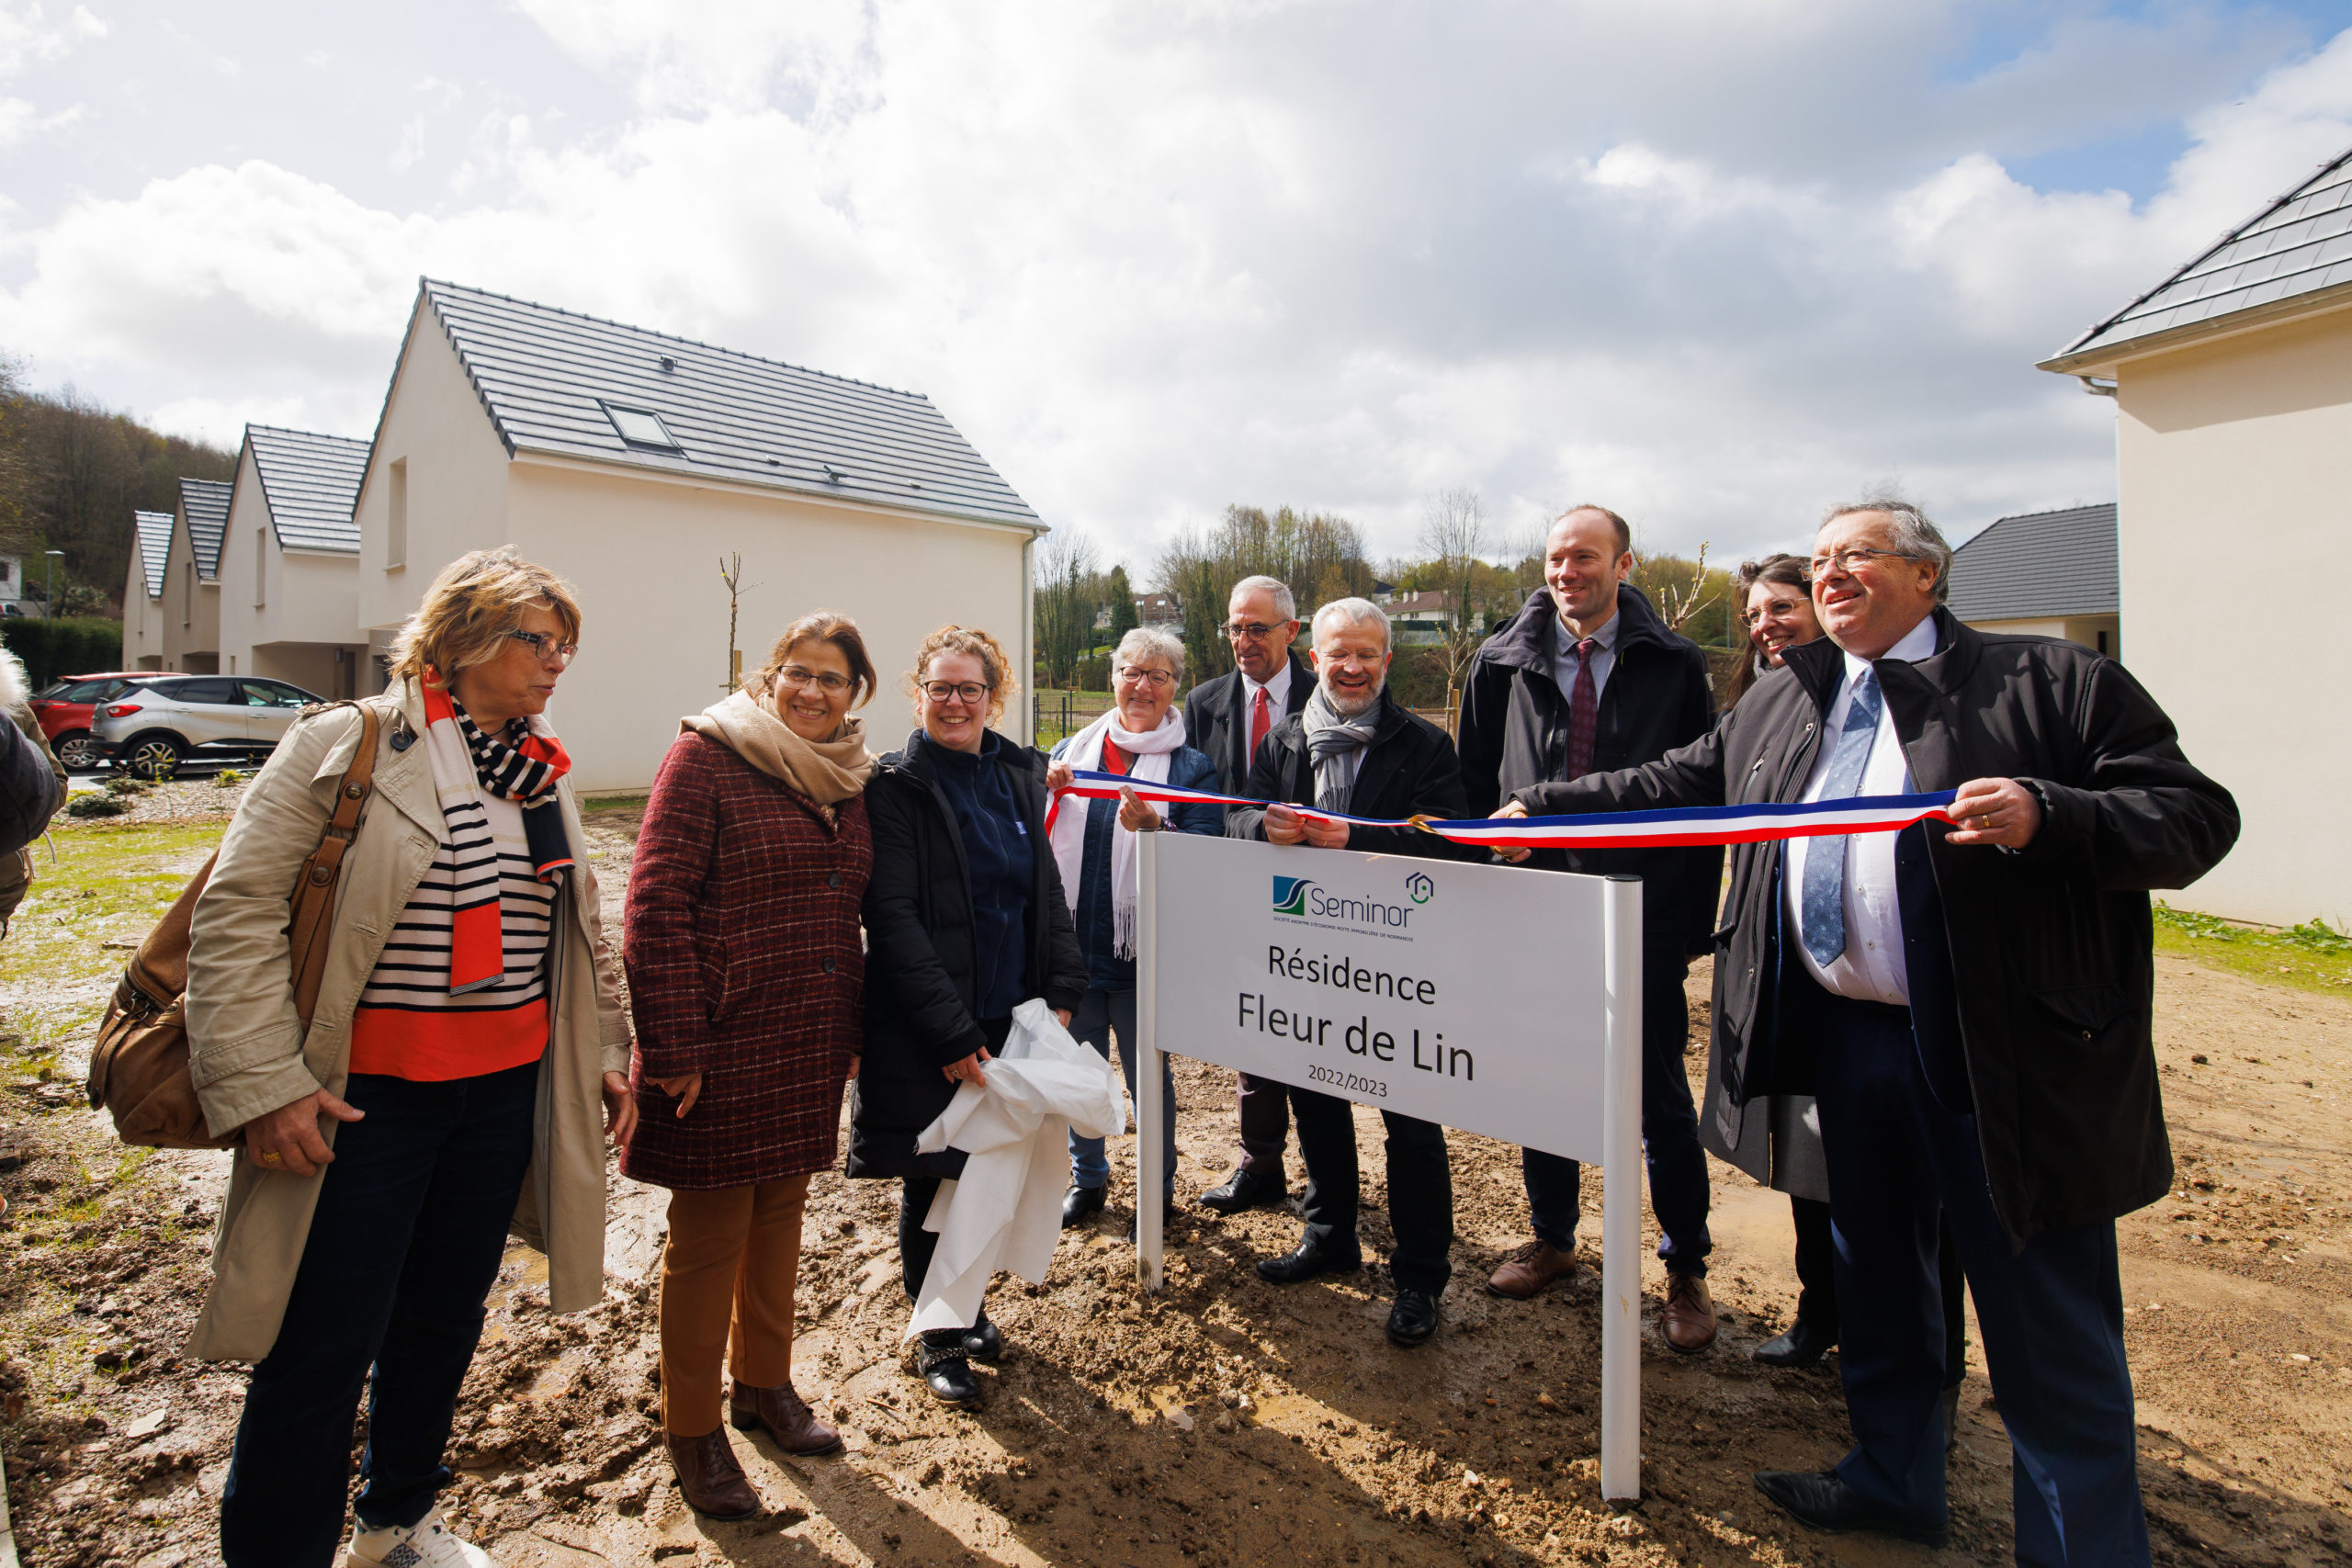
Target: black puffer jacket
[
  {"x": 31, "y": 789},
  {"x": 1409, "y": 769},
  {"x": 1514, "y": 734},
  {"x": 2045, "y": 965},
  {"x": 921, "y": 978}
]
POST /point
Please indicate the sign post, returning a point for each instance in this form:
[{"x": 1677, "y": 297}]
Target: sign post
[{"x": 1485, "y": 998}]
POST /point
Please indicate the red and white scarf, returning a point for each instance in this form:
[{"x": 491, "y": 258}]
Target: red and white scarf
[
  {"x": 1066, "y": 831},
  {"x": 523, "y": 765}
]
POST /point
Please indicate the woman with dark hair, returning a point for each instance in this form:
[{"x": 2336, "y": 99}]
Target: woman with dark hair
[
  {"x": 1776, "y": 603},
  {"x": 746, "y": 976},
  {"x": 965, "y": 919}
]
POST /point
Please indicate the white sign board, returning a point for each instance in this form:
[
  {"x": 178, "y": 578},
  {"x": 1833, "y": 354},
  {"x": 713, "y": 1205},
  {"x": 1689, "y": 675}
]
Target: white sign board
[{"x": 1491, "y": 998}]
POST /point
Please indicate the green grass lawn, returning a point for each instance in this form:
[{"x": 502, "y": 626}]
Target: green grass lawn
[{"x": 2314, "y": 956}]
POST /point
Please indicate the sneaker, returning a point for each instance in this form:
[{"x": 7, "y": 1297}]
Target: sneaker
[{"x": 427, "y": 1543}]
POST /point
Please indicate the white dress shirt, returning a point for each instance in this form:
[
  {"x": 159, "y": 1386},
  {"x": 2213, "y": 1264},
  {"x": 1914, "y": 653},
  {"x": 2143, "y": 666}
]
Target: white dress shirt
[
  {"x": 1277, "y": 693},
  {"x": 1604, "y": 658},
  {"x": 1870, "y": 969}
]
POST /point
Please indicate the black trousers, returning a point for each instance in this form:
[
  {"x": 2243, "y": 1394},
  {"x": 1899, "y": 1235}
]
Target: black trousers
[
  {"x": 1817, "y": 1281},
  {"x": 1264, "y": 1112},
  {"x": 1420, "y": 1188}
]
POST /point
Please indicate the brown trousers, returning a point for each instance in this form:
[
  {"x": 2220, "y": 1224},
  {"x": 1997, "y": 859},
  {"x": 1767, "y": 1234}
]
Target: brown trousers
[{"x": 728, "y": 1270}]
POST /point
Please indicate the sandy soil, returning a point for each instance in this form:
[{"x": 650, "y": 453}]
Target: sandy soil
[{"x": 1223, "y": 1421}]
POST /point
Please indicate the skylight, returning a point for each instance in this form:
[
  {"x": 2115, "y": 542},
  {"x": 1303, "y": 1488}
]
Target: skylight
[{"x": 641, "y": 427}]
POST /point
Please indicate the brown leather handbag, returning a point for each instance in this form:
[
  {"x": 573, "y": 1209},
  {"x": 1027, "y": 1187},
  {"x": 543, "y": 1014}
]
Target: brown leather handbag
[{"x": 139, "y": 1069}]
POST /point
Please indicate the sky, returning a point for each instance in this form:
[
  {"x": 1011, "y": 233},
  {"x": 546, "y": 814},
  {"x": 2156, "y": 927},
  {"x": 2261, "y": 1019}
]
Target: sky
[{"x": 1715, "y": 265}]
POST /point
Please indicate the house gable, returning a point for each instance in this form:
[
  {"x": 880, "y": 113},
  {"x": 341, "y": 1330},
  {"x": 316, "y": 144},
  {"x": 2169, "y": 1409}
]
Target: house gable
[
  {"x": 204, "y": 504},
  {"x": 309, "y": 484},
  {"x": 2039, "y": 565},
  {"x": 155, "y": 548}
]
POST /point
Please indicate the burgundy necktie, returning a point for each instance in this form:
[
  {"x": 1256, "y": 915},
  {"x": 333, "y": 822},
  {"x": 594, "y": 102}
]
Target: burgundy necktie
[
  {"x": 1584, "y": 711},
  {"x": 1260, "y": 720}
]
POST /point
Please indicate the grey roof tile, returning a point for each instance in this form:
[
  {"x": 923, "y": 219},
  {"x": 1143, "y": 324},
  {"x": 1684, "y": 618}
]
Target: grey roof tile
[
  {"x": 2038, "y": 564},
  {"x": 310, "y": 484},
  {"x": 206, "y": 503},
  {"x": 2299, "y": 245},
  {"x": 155, "y": 546},
  {"x": 545, "y": 375}
]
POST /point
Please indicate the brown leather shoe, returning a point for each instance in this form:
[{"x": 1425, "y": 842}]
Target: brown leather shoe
[
  {"x": 787, "y": 1416},
  {"x": 1527, "y": 1270},
  {"x": 714, "y": 1484},
  {"x": 1688, "y": 1320}
]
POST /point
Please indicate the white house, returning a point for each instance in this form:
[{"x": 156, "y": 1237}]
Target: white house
[
  {"x": 142, "y": 591},
  {"x": 2233, "y": 386},
  {"x": 289, "y": 563},
  {"x": 192, "y": 578},
  {"x": 634, "y": 463}
]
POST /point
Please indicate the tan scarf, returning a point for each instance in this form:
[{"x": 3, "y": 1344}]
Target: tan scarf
[{"x": 827, "y": 771}]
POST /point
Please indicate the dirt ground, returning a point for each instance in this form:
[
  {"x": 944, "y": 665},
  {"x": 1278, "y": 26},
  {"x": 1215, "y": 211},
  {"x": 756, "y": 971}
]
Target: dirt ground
[{"x": 1222, "y": 1421}]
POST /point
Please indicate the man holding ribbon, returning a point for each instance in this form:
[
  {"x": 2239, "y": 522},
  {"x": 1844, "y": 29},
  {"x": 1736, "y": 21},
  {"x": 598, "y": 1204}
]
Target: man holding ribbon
[
  {"x": 1353, "y": 750},
  {"x": 1969, "y": 1003}
]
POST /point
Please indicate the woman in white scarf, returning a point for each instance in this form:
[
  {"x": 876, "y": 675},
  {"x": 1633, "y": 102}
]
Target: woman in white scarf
[{"x": 1095, "y": 843}]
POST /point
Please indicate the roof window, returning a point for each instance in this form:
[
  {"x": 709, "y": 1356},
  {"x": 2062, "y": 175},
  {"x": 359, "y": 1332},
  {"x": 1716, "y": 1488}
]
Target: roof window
[{"x": 641, "y": 427}]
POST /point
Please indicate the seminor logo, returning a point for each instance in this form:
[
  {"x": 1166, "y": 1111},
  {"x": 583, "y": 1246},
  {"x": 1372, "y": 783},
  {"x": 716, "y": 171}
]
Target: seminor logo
[
  {"x": 1290, "y": 895},
  {"x": 1419, "y": 886}
]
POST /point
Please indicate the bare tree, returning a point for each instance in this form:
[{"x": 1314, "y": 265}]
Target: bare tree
[
  {"x": 1454, "y": 537},
  {"x": 1679, "y": 600},
  {"x": 730, "y": 572},
  {"x": 1068, "y": 592}
]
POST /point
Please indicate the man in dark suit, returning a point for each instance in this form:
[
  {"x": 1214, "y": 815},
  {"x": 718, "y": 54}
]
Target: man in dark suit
[
  {"x": 1225, "y": 718},
  {"x": 1587, "y": 679},
  {"x": 1352, "y": 749},
  {"x": 1971, "y": 1007}
]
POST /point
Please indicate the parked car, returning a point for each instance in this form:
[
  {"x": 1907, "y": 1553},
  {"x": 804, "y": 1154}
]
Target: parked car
[
  {"x": 65, "y": 709},
  {"x": 156, "y": 727}
]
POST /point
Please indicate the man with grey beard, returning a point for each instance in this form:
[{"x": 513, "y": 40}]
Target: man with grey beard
[{"x": 1352, "y": 749}]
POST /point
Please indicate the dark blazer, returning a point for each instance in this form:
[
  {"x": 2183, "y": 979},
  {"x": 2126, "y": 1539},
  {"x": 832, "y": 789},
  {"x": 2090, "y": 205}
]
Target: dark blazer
[
  {"x": 921, "y": 982},
  {"x": 2046, "y": 1029},
  {"x": 31, "y": 789},
  {"x": 744, "y": 965},
  {"x": 1408, "y": 770},
  {"x": 1514, "y": 734},
  {"x": 1216, "y": 721}
]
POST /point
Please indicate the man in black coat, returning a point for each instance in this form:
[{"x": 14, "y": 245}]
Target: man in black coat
[
  {"x": 1587, "y": 679},
  {"x": 1352, "y": 749},
  {"x": 1971, "y": 1007},
  {"x": 1227, "y": 719}
]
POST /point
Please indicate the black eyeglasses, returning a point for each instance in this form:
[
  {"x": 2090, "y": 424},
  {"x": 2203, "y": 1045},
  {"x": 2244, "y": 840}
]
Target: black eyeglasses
[
  {"x": 957, "y": 691},
  {"x": 547, "y": 647},
  {"x": 1250, "y": 631},
  {"x": 831, "y": 682},
  {"x": 1852, "y": 557}
]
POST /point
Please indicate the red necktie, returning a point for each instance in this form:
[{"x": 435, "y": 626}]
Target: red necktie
[
  {"x": 1584, "y": 711},
  {"x": 1260, "y": 720}
]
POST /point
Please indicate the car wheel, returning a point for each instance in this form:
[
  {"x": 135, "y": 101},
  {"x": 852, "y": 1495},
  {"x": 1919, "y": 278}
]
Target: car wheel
[
  {"x": 76, "y": 752},
  {"x": 154, "y": 757}
]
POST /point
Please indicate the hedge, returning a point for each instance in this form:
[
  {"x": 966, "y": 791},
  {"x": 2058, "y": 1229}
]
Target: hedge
[{"x": 70, "y": 645}]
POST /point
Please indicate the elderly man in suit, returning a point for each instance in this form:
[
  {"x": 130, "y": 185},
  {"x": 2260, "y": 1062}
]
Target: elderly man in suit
[
  {"x": 1970, "y": 1006},
  {"x": 1228, "y": 718},
  {"x": 1354, "y": 749}
]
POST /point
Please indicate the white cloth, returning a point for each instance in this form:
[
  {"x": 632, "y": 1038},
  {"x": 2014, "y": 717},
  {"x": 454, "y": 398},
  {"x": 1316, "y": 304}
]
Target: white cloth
[
  {"x": 1870, "y": 969},
  {"x": 1147, "y": 759},
  {"x": 1006, "y": 1209},
  {"x": 1604, "y": 658}
]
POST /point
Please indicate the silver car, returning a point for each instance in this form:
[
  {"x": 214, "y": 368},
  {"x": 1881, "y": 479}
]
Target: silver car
[{"x": 175, "y": 718}]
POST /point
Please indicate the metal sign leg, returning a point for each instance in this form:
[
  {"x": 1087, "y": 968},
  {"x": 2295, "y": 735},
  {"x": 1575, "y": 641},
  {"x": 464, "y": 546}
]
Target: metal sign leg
[
  {"x": 1621, "y": 1201},
  {"x": 1151, "y": 1197}
]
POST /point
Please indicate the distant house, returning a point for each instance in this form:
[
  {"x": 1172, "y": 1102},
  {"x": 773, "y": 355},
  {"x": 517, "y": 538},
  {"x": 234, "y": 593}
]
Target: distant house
[
  {"x": 1418, "y": 617},
  {"x": 2044, "y": 574},
  {"x": 12, "y": 585},
  {"x": 1158, "y": 609},
  {"x": 2233, "y": 383},
  {"x": 192, "y": 578},
  {"x": 290, "y": 596},
  {"x": 633, "y": 463},
  {"x": 142, "y": 591}
]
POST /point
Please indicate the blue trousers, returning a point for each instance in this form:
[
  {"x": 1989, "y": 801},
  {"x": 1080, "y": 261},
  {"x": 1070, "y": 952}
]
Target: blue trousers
[
  {"x": 2051, "y": 1314},
  {"x": 403, "y": 1249},
  {"x": 1102, "y": 1015},
  {"x": 1678, "y": 1166}
]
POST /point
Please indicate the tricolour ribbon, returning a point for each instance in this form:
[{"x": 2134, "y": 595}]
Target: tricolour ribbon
[{"x": 1598, "y": 831}]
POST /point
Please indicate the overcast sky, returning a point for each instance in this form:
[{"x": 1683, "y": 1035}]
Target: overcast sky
[{"x": 1714, "y": 264}]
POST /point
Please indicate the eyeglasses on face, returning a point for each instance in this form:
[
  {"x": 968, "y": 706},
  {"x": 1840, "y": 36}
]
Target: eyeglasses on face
[
  {"x": 1157, "y": 679},
  {"x": 545, "y": 645},
  {"x": 831, "y": 682},
  {"x": 1249, "y": 631},
  {"x": 1849, "y": 558},
  {"x": 955, "y": 691}
]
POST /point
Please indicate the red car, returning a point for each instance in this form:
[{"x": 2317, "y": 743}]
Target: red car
[{"x": 64, "y": 710}]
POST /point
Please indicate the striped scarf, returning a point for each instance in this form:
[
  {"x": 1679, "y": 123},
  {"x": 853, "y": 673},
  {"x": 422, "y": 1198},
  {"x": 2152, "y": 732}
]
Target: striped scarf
[{"x": 523, "y": 765}]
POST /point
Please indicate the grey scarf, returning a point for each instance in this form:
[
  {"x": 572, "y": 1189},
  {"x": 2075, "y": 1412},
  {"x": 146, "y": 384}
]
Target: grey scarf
[{"x": 1337, "y": 745}]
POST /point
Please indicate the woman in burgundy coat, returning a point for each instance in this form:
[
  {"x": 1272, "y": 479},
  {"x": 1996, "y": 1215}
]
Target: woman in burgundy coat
[{"x": 746, "y": 974}]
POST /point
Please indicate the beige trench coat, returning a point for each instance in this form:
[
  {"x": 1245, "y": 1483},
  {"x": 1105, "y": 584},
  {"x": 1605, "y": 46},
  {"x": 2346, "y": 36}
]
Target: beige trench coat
[{"x": 249, "y": 1054}]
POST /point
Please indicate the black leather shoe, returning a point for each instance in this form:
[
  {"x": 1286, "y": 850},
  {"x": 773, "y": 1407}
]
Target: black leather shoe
[
  {"x": 1820, "y": 1499},
  {"x": 1080, "y": 1204},
  {"x": 1802, "y": 1346},
  {"x": 945, "y": 1371},
  {"x": 1304, "y": 1262},
  {"x": 982, "y": 1342},
  {"x": 1412, "y": 1319},
  {"x": 1245, "y": 1189},
  {"x": 1951, "y": 1417}
]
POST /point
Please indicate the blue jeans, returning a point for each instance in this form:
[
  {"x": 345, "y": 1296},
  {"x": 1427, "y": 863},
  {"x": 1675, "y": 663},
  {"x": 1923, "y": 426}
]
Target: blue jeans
[
  {"x": 1101, "y": 1014},
  {"x": 403, "y": 1249}
]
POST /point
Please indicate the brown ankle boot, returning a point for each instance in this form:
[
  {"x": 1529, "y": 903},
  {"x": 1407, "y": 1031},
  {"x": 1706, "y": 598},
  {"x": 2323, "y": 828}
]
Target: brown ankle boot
[
  {"x": 787, "y": 1416},
  {"x": 714, "y": 1484}
]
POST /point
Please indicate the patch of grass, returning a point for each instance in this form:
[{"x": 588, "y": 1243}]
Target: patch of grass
[
  {"x": 104, "y": 883},
  {"x": 2314, "y": 956},
  {"x": 588, "y": 807}
]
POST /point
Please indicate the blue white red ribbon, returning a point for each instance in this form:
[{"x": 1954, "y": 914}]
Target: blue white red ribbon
[{"x": 1600, "y": 830}]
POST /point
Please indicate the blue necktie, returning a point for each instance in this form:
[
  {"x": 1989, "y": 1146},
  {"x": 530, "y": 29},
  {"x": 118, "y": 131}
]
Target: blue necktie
[{"x": 1824, "y": 901}]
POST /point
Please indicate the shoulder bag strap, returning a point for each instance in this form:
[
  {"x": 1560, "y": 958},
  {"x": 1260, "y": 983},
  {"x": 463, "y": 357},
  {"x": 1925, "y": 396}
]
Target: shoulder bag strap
[{"x": 312, "y": 897}]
